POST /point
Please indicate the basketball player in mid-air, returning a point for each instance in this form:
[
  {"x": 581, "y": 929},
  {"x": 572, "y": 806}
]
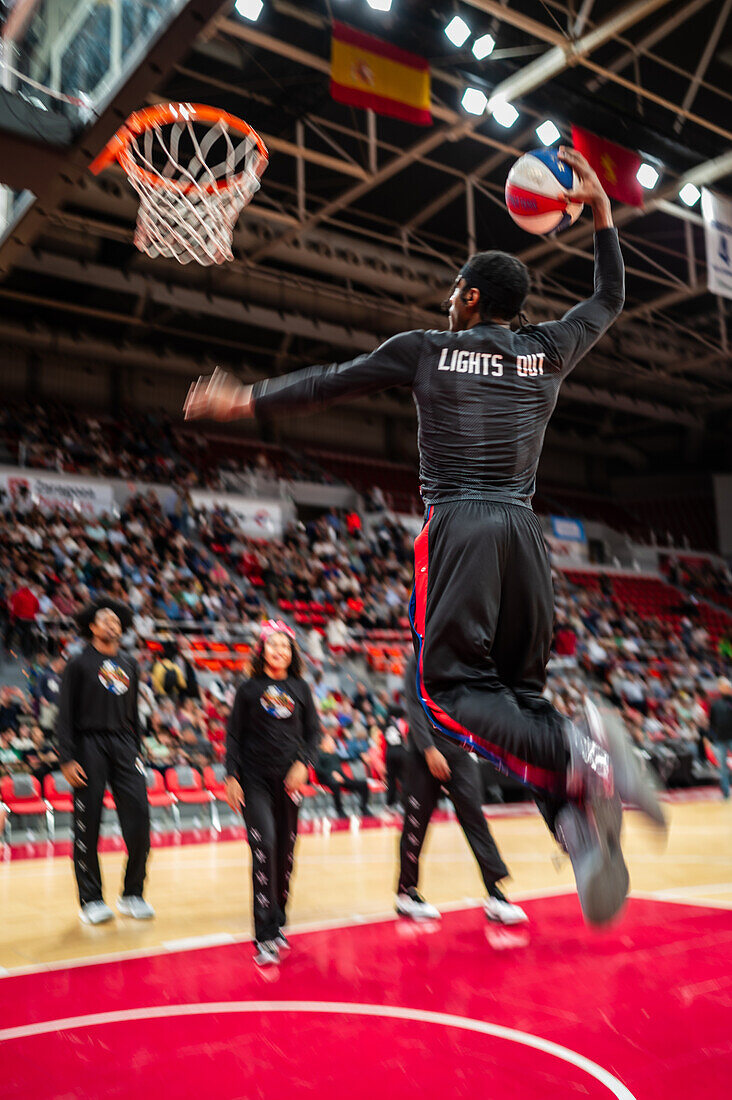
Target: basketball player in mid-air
[{"x": 482, "y": 604}]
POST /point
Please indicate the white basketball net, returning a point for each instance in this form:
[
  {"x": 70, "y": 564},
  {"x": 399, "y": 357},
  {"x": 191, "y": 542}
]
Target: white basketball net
[{"x": 188, "y": 210}]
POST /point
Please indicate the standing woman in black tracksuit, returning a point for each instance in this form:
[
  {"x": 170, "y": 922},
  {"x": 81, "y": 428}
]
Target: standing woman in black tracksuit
[{"x": 272, "y": 737}]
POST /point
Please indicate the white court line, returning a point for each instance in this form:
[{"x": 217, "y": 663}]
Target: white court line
[
  {"x": 392, "y": 1012},
  {"x": 710, "y": 888},
  {"x": 679, "y": 898}
]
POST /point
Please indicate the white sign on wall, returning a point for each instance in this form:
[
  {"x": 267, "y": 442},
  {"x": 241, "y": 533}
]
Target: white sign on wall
[
  {"x": 258, "y": 519},
  {"x": 51, "y": 491},
  {"x": 717, "y": 213}
]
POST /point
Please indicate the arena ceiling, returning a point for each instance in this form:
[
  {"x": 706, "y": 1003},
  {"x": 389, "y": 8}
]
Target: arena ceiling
[{"x": 362, "y": 221}]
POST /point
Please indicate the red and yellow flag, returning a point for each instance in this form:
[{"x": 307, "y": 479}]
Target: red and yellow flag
[
  {"x": 615, "y": 166},
  {"x": 367, "y": 72}
]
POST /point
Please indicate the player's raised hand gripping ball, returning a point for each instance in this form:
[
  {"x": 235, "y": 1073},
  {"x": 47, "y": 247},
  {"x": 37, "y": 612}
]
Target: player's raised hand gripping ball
[{"x": 540, "y": 191}]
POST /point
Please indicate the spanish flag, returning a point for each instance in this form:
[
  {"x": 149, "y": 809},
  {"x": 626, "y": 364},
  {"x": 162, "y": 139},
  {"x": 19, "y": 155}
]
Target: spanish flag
[{"x": 368, "y": 72}]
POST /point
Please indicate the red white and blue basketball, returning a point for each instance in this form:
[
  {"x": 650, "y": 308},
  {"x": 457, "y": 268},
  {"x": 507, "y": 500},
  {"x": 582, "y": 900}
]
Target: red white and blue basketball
[{"x": 535, "y": 193}]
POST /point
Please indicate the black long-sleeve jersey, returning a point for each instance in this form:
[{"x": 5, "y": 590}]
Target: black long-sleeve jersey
[
  {"x": 272, "y": 724},
  {"x": 484, "y": 395},
  {"x": 98, "y": 695}
]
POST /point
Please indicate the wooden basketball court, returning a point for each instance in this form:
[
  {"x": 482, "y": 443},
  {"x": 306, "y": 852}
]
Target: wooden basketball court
[
  {"x": 203, "y": 889},
  {"x": 369, "y": 1005}
]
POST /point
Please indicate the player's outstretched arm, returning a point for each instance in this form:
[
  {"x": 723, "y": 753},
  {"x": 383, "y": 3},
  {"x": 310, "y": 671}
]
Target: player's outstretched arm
[
  {"x": 221, "y": 397},
  {"x": 570, "y": 339}
]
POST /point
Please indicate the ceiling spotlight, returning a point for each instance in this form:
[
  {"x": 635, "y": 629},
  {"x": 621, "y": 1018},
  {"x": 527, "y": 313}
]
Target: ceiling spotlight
[
  {"x": 547, "y": 133},
  {"x": 474, "y": 101},
  {"x": 249, "y": 9},
  {"x": 503, "y": 112},
  {"x": 484, "y": 46},
  {"x": 458, "y": 31},
  {"x": 379, "y": 5},
  {"x": 647, "y": 176},
  {"x": 690, "y": 194}
]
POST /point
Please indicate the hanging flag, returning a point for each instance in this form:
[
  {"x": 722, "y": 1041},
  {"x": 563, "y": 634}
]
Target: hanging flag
[
  {"x": 717, "y": 214},
  {"x": 615, "y": 166},
  {"x": 367, "y": 72}
]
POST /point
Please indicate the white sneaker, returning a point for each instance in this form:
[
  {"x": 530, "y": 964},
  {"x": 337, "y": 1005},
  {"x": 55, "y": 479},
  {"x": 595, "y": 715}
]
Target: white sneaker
[
  {"x": 95, "y": 912},
  {"x": 414, "y": 906},
  {"x": 135, "y": 907},
  {"x": 268, "y": 953},
  {"x": 503, "y": 911}
]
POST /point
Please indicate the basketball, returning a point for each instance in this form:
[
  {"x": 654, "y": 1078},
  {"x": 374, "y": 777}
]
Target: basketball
[{"x": 535, "y": 193}]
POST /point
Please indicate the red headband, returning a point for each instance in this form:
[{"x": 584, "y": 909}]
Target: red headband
[{"x": 275, "y": 626}]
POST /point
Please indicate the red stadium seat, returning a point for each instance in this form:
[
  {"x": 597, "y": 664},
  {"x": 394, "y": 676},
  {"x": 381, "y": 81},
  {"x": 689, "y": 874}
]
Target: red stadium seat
[
  {"x": 21, "y": 794},
  {"x": 58, "y": 793},
  {"x": 157, "y": 795},
  {"x": 186, "y": 784},
  {"x": 214, "y": 777}
]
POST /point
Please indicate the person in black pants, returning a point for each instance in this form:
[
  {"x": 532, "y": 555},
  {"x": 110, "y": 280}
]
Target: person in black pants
[
  {"x": 395, "y": 756},
  {"x": 481, "y": 610},
  {"x": 431, "y": 769},
  {"x": 330, "y": 774},
  {"x": 98, "y": 737},
  {"x": 272, "y": 737}
]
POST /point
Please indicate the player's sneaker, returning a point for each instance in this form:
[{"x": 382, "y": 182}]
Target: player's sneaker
[
  {"x": 95, "y": 912},
  {"x": 135, "y": 907},
  {"x": 503, "y": 912},
  {"x": 268, "y": 953},
  {"x": 589, "y": 772},
  {"x": 412, "y": 905},
  {"x": 283, "y": 944},
  {"x": 633, "y": 781},
  {"x": 591, "y": 838}
]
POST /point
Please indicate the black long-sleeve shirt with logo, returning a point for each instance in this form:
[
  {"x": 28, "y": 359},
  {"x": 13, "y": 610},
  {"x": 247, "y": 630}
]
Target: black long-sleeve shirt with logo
[
  {"x": 484, "y": 395},
  {"x": 272, "y": 724},
  {"x": 98, "y": 695}
]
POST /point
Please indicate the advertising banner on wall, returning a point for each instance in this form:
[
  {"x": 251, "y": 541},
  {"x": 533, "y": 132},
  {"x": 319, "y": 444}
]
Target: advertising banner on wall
[
  {"x": 567, "y": 542},
  {"x": 717, "y": 213},
  {"x": 258, "y": 519},
  {"x": 52, "y": 491}
]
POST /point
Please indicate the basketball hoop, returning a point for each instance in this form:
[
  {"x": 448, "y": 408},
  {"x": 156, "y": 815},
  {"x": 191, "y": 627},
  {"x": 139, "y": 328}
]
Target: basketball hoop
[{"x": 188, "y": 206}]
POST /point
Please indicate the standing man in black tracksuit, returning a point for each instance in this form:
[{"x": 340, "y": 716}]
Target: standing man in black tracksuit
[
  {"x": 482, "y": 604},
  {"x": 98, "y": 735},
  {"x": 429, "y": 769}
]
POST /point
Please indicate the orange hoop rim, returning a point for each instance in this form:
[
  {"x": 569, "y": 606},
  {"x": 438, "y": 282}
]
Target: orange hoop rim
[{"x": 167, "y": 114}]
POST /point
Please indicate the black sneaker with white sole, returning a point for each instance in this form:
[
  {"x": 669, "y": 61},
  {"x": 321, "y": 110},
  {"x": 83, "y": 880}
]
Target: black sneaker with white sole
[
  {"x": 590, "y": 835},
  {"x": 411, "y": 904},
  {"x": 268, "y": 953}
]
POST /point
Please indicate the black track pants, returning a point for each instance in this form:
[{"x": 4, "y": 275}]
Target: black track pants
[
  {"x": 481, "y": 614},
  {"x": 421, "y": 792},
  {"x": 396, "y": 759},
  {"x": 271, "y": 820},
  {"x": 110, "y": 760}
]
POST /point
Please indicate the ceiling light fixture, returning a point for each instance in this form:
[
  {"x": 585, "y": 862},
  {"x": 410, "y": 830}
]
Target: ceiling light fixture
[
  {"x": 547, "y": 133},
  {"x": 458, "y": 31},
  {"x": 647, "y": 176},
  {"x": 484, "y": 46},
  {"x": 474, "y": 101}
]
